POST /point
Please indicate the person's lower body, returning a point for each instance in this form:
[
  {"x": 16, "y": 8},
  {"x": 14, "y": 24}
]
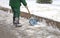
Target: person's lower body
[{"x": 16, "y": 15}]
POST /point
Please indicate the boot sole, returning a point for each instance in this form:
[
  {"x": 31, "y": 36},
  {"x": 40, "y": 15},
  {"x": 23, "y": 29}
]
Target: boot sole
[{"x": 16, "y": 25}]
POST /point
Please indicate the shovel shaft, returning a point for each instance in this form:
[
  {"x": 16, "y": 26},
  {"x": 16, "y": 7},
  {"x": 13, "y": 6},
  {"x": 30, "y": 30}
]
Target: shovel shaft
[{"x": 28, "y": 11}]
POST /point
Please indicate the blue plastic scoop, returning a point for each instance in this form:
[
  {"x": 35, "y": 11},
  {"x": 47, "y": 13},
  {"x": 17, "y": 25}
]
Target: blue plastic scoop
[{"x": 33, "y": 21}]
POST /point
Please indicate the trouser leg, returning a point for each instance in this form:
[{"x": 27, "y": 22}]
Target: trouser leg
[{"x": 16, "y": 14}]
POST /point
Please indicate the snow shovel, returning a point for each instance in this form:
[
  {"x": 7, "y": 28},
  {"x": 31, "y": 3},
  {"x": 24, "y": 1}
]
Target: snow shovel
[{"x": 32, "y": 19}]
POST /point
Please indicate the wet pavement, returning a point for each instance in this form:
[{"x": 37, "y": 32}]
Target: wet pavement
[{"x": 7, "y": 29}]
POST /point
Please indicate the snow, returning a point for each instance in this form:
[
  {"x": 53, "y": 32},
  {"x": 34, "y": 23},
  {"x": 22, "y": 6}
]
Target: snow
[
  {"x": 56, "y": 2},
  {"x": 41, "y": 30},
  {"x": 51, "y": 11}
]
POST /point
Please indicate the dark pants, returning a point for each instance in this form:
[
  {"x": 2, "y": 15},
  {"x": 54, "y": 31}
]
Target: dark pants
[{"x": 16, "y": 12}]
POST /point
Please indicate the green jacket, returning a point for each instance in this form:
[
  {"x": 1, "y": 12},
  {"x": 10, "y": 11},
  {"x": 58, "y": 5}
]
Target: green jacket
[{"x": 17, "y": 3}]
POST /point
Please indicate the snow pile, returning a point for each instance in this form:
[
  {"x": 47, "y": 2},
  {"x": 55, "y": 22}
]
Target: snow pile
[{"x": 51, "y": 11}]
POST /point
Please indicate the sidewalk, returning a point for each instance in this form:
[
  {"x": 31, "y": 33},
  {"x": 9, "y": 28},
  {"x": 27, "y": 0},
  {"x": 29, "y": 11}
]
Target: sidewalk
[{"x": 7, "y": 29}]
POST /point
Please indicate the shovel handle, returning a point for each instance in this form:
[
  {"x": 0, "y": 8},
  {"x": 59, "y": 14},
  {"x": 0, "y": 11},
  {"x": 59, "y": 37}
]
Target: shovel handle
[{"x": 28, "y": 11}]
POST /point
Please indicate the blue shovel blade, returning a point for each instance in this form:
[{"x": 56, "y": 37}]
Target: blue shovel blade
[{"x": 33, "y": 22}]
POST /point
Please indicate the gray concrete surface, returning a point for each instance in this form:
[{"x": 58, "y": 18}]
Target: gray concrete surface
[{"x": 7, "y": 29}]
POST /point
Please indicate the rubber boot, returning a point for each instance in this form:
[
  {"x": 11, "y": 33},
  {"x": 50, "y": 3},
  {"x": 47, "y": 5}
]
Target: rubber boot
[
  {"x": 13, "y": 20},
  {"x": 16, "y": 22}
]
